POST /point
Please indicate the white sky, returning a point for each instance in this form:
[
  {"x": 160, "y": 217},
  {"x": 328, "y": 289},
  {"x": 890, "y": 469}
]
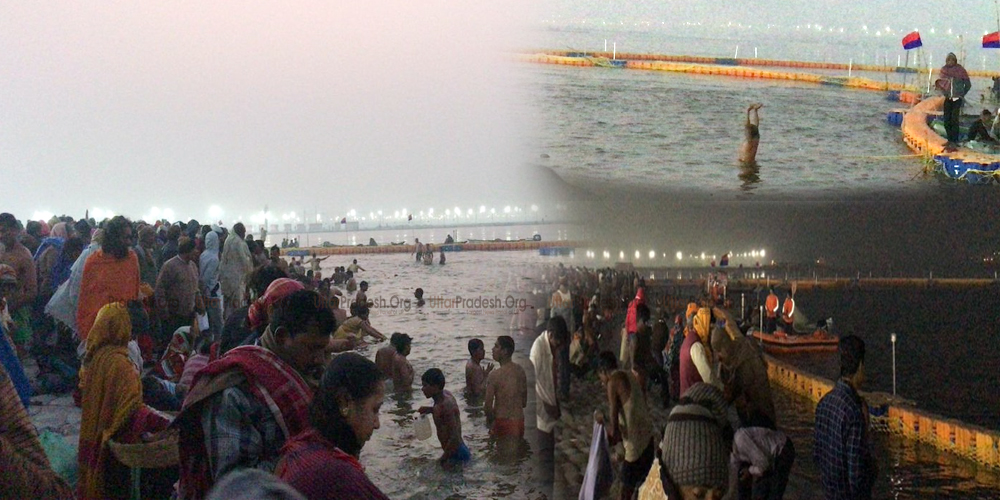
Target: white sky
[
  {"x": 308, "y": 106},
  {"x": 325, "y": 106}
]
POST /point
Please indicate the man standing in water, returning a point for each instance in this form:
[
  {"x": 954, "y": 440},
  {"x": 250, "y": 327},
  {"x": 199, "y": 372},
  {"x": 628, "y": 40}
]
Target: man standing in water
[
  {"x": 843, "y": 450},
  {"x": 748, "y": 150},
  {"x": 506, "y": 393}
]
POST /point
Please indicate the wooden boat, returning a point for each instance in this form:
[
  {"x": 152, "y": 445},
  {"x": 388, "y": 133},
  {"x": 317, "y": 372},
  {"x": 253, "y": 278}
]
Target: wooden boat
[{"x": 780, "y": 342}]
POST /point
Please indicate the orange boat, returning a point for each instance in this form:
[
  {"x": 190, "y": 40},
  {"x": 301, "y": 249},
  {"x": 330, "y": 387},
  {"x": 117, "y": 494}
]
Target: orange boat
[{"x": 780, "y": 342}]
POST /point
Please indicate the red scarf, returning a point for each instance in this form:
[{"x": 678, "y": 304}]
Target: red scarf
[{"x": 272, "y": 381}]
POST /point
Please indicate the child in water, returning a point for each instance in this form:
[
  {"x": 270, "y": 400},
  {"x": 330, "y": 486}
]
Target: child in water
[{"x": 447, "y": 419}]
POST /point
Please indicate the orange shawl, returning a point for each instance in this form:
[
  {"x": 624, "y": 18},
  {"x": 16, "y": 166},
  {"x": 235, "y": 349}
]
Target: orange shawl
[
  {"x": 111, "y": 394},
  {"x": 105, "y": 280}
]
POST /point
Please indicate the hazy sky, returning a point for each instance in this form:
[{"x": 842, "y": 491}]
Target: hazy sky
[
  {"x": 325, "y": 106},
  {"x": 924, "y": 15}
]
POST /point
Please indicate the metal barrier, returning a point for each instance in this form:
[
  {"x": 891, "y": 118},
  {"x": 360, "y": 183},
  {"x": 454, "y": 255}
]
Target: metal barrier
[{"x": 972, "y": 442}]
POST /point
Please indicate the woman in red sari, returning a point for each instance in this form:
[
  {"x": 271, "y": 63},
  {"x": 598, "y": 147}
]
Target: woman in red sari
[{"x": 322, "y": 462}]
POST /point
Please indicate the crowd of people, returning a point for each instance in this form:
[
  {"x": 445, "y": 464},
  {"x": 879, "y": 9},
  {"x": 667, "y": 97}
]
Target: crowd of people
[
  {"x": 191, "y": 333},
  {"x": 722, "y": 434}
]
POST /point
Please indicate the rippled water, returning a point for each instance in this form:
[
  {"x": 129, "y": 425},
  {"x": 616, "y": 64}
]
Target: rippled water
[
  {"x": 400, "y": 465},
  {"x": 947, "y": 348},
  {"x": 663, "y": 131},
  {"x": 907, "y": 470},
  {"x": 607, "y": 128}
]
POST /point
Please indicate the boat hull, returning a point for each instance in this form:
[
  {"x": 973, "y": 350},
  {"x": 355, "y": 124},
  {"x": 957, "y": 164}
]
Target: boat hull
[{"x": 780, "y": 343}]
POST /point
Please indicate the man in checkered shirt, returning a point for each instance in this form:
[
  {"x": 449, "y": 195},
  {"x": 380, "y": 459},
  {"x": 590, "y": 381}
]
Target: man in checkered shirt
[{"x": 843, "y": 449}]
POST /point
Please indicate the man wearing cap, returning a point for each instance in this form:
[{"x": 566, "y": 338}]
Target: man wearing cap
[
  {"x": 695, "y": 446},
  {"x": 843, "y": 450},
  {"x": 953, "y": 82}
]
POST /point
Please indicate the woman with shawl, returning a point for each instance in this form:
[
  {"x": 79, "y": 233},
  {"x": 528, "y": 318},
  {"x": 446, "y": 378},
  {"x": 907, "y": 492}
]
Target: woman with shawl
[
  {"x": 62, "y": 306},
  {"x": 26, "y": 470},
  {"x": 322, "y": 462},
  {"x": 49, "y": 252},
  {"x": 112, "y": 405}
]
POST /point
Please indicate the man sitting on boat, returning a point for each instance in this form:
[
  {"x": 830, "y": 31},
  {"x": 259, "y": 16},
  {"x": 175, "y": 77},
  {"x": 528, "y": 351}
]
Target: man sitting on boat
[{"x": 980, "y": 129}]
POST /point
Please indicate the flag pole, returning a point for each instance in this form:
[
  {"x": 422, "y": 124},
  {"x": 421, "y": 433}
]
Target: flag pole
[{"x": 906, "y": 75}]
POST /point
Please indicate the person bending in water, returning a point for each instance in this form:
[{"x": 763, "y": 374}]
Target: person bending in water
[
  {"x": 748, "y": 150},
  {"x": 447, "y": 419},
  {"x": 506, "y": 393},
  {"x": 402, "y": 370},
  {"x": 475, "y": 375},
  {"x": 384, "y": 356}
]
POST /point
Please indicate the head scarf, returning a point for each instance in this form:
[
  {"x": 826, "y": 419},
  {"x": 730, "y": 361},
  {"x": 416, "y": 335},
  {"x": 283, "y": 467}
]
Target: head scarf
[
  {"x": 703, "y": 327},
  {"x": 278, "y": 289},
  {"x": 692, "y": 308},
  {"x": 111, "y": 392},
  {"x": 59, "y": 231}
]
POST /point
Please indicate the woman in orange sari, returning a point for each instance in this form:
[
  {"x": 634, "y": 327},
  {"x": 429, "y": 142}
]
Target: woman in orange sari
[{"x": 112, "y": 405}]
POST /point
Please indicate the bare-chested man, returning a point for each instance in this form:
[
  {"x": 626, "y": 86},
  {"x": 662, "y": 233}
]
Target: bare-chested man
[
  {"x": 447, "y": 419},
  {"x": 362, "y": 296},
  {"x": 506, "y": 393},
  {"x": 475, "y": 375},
  {"x": 402, "y": 370},
  {"x": 748, "y": 150},
  {"x": 384, "y": 356}
]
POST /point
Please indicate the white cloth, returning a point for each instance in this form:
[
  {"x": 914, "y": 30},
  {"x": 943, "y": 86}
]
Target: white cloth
[
  {"x": 545, "y": 387},
  {"x": 758, "y": 446},
  {"x": 235, "y": 266},
  {"x": 599, "y": 475},
  {"x": 208, "y": 266},
  {"x": 62, "y": 306},
  {"x": 700, "y": 359}
]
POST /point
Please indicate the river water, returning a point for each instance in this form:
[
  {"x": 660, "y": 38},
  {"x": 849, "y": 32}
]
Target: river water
[
  {"x": 402, "y": 466},
  {"x": 614, "y": 129},
  {"x": 434, "y": 235}
]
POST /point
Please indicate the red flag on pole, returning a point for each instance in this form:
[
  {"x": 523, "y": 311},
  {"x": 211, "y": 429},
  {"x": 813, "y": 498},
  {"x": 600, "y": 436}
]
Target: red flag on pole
[
  {"x": 992, "y": 40},
  {"x": 912, "y": 41}
]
